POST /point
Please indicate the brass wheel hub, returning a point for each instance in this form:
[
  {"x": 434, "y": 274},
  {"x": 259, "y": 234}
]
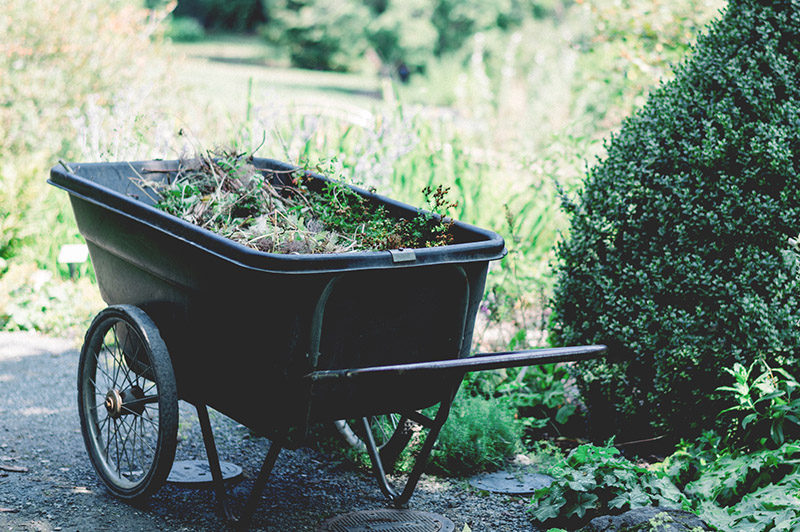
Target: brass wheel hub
[
  {"x": 113, "y": 403},
  {"x": 119, "y": 403}
]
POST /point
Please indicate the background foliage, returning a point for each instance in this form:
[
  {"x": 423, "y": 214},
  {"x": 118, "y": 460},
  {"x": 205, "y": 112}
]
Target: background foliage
[{"x": 59, "y": 82}]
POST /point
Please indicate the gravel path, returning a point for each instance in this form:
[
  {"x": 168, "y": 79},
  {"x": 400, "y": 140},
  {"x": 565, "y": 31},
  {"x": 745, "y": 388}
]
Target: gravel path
[{"x": 47, "y": 482}]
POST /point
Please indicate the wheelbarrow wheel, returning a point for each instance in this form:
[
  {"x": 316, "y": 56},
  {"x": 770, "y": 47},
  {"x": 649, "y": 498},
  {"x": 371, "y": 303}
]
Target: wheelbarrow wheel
[
  {"x": 392, "y": 432},
  {"x": 128, "y": 402}
]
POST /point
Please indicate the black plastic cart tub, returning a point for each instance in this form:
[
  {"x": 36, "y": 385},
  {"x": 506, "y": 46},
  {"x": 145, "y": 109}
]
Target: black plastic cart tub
[{"x": 273, "y": 341}]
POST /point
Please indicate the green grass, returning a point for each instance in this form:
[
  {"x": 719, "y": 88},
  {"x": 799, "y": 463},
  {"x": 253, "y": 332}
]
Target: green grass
[{"x": 225, "y": 71}]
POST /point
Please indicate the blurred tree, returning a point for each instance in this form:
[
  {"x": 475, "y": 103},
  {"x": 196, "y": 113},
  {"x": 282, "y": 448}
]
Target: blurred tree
[
  {"x": 628, "y": 47},
  {"x": 228, "y": 15},
  {"x": 458, "y": 20},
  {"x": 402, "y": 33},
  {"x": 317, "y": 33},
  {"x": 322, "y": 34}
]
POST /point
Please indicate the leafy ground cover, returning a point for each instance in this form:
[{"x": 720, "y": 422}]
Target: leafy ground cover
[{"x": 732, "y": 483}]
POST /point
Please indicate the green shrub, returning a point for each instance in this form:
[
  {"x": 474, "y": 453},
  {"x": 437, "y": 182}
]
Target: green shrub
[
  {"x": 675, "y": 254},
  {"x": 691, "y": 458},
  {"x": 627, "y": 47},
  {"x": 458, "y": 20},
  {"x": 33, "y": 299},
  {"x": 67, "y": 91},
  {"x": 479, "y": 434},
  {"x": 403, "y": 33},
  {"x": 326, "y": 35},
  {"x": 540, "y": 396},
  {"x": 53, "y": 71}
]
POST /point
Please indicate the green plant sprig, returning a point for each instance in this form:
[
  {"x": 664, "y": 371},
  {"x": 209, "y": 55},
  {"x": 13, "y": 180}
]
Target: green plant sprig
[{"x": 768, "y": 403}]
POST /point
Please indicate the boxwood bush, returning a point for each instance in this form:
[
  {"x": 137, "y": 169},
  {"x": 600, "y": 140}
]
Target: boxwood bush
[{"x": 675, "y": 257}]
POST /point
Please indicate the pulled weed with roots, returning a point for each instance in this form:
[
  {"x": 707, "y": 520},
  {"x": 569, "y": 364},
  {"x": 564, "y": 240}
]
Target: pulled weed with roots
[{"x": 225, "y": 193}]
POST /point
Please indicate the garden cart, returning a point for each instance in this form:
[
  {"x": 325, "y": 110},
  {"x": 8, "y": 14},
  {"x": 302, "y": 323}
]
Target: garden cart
[{"x": 274, "y": 341}]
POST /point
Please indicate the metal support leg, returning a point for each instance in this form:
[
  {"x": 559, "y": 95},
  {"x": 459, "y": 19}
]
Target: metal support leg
[
  {"x": 258, "y": 486},
  {"x": 377, "y": 463},
  {"x": 401, "y": 500},
  {"x": 223, "y": 505}
]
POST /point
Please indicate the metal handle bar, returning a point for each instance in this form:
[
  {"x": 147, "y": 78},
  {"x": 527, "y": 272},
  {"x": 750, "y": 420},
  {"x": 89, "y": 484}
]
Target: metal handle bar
[{"x": 477, "y": 362}]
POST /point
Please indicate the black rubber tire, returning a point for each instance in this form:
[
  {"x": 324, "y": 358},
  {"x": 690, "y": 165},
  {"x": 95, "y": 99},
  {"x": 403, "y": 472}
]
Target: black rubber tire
[{"x": 125, "y": 366}]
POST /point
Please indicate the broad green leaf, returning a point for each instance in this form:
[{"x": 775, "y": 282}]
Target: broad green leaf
[
  {"x": 547, "y": 509},
  {"x": 748, "y": 419},
  {"x": 638, "y": 497},
  {"x": 620, "y": 501},
  {"x": 565, "y": 412},
  {"x": 776, "y": 432},
  {"x": 582, "y": 504},
  {"x": 770, "y": 396}
]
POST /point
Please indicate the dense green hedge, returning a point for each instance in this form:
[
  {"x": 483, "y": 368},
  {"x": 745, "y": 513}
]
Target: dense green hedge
[{"x": 676, "y": 253}]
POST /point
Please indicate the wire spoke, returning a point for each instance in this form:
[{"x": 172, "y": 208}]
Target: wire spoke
[
  {"x": 126, "y": 368},
  {"x": 111, "y": 379},
  {"x": 116, "y": 444},
  {"x": 149, "y": 446},
  {"x": 131, "y": 358},
  {"x": 148, "y": 399},
  {"x": 108, "y": 438},
  {"x": 109, "y": 370},
  {"x": 117, "y": 364},
  {"x": 101, "y": 424},
  {"x": 133, "y": 450},
  {"x": 149, "y": 420},
  {"x": 143, "y": 438},
  {"x": 125, "y": 449},
  {"x": 145, "y": 366}
]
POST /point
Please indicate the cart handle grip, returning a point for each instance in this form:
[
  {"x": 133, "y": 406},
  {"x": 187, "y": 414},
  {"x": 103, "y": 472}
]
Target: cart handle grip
[{"x": 477, "y": 362}]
